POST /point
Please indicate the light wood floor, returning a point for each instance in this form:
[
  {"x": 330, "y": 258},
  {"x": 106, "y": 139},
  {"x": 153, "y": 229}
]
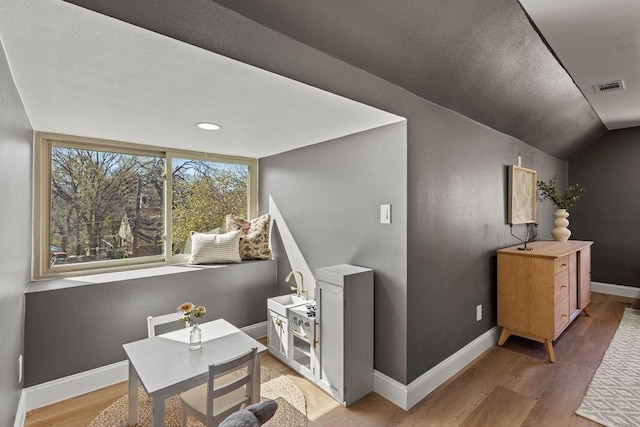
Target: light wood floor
[{"x": 512, "y": 385}]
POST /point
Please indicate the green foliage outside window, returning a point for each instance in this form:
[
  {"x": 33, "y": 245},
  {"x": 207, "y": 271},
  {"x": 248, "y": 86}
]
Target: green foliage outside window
[
  {"x": 203, "y": 194},
  {"x": 105, "y": 205}
]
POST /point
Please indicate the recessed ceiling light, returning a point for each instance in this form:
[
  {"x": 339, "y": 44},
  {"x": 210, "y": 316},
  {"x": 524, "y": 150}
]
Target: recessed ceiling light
[{"x": 208, "y": 126}]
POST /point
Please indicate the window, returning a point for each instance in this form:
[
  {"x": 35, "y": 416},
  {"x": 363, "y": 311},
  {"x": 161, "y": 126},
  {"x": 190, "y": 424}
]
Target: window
[
  {"x": 103, "y": 205},
  {"x": 209, "y": 189}
]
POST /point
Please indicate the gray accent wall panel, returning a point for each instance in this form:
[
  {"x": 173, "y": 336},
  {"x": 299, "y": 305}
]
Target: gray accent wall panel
[
  {"x": 75, "y": 329},
  {"x": 330, "y": 195},
  {"x": 609, "y": 211},
  {"x": 16, "y": 139}
]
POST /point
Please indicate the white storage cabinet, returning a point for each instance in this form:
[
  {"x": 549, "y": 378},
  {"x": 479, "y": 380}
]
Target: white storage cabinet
[{"x": 344, "y": 353}]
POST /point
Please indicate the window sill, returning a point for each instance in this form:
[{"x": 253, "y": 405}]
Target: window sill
[{"x": 118, "y": 276}]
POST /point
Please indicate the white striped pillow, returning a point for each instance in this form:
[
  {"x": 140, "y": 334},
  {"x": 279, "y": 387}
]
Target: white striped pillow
[{"x": 215, "y": 248}]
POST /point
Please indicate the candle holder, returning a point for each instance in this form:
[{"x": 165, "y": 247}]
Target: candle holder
[{"x": 530, "y": 237}]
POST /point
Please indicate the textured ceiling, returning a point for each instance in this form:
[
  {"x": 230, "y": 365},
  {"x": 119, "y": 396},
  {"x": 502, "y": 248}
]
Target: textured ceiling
[
  {"x": 481, "y": 58},
  {"x": 598, "y": 42},
  {"x": 83, "y": 73}
]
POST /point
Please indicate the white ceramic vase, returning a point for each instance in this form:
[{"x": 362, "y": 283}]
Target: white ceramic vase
[{"x": 561, "y": 233}]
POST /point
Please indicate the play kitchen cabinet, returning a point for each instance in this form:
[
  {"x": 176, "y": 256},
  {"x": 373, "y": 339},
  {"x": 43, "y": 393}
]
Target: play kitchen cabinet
[
  {"x": 542, "y": 290},
  {"x": 330, "y": 340},
  {"x": 278, "y": 335}
]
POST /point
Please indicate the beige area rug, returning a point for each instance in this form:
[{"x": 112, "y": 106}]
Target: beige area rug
[
  {"x": 292, "y": 406},
  {"x": 613, "y": 396}
]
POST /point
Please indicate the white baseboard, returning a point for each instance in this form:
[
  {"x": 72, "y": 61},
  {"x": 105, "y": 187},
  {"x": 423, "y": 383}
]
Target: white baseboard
[
  {"x": 256, "y": 331},
  {"x": 407, "y": 396},
  {"x": 21, "y": 412},
  {"x": 620, "y": 290},
  {"x": 390, "y": 389},
  {"x": 74, "y": 385},
  {"x": 60, "y": 389}
]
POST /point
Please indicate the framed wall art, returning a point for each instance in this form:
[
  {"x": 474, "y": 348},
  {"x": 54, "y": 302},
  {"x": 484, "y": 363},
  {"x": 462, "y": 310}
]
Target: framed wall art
[{"x": 522, "y": 195}]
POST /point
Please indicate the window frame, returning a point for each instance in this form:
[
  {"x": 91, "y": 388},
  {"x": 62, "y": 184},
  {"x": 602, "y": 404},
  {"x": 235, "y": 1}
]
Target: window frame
[{"x": 43, "y": 143}]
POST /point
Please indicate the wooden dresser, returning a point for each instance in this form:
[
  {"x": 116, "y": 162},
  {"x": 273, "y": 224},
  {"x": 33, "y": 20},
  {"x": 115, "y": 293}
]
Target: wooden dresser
[{"x": 541, "y": 291}]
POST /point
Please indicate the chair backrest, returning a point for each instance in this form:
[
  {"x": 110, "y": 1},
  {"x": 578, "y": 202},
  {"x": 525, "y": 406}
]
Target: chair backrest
[
  {"x": 226, "y": 392},
  {"x": 153, "y": 321}
]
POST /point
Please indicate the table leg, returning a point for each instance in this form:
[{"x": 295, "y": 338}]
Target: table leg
[
  {"x": 157, "y": 417},
  {"x": 133, "y": 395}
]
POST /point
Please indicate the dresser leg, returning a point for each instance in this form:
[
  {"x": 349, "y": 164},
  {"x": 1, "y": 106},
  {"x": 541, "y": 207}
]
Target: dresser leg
[
  {"x": 503, "y": 336},
  {"x": 586, "y": 310},
  {"x": 548, "y": 344}
]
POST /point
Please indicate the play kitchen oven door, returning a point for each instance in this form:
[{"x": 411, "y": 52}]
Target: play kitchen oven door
[{"x": 303, "y": 328}]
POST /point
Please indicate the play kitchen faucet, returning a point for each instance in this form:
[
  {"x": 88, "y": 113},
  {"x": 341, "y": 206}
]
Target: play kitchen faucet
[{"x": 299, "y": 289}]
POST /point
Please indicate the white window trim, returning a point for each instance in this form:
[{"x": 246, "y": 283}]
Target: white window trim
[{"x": 42, "y": 202}]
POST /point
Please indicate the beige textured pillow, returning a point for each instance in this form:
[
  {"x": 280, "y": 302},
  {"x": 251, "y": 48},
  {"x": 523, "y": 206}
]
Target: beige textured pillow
[
  {"x": 254, "y": 243},
  {"x": 215, "y": 248}
]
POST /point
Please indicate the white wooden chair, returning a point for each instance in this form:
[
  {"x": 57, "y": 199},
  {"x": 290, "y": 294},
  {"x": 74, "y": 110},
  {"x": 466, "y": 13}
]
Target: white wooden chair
[
  {"x": 227, "y": 390},
  {"x": 153, "y": 321}
]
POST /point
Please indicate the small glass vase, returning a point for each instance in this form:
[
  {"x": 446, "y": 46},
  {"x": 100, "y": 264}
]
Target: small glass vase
[{"x": 195, "y": 338}]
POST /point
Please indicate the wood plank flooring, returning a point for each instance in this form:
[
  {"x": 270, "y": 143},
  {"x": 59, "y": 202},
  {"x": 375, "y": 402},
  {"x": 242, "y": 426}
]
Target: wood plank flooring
[{"x": 513, "y": 385}]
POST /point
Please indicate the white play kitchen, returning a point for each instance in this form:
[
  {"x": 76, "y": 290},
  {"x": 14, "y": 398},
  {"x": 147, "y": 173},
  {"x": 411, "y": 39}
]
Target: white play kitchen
[{"x": 329, "y": 338}]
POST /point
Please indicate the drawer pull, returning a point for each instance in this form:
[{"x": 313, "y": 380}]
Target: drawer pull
[{"x": 563, "y": 265}]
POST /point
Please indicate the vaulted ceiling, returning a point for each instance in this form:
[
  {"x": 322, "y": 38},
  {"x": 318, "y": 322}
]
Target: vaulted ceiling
[
  {"x": 83, "y": 73},
  {"x": 489, "y": 60},
  {"x": 481, "y": 58}
]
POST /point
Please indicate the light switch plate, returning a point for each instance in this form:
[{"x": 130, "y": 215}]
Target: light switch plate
[{"x": 385, "y": 214}]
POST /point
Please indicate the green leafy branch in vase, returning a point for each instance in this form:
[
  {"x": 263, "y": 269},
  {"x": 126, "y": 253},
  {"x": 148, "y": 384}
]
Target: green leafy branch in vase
[{"x": 564, "y": 201}]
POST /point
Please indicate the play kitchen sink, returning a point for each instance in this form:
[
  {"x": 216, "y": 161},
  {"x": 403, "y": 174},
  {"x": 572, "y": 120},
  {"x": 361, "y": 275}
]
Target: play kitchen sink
[{"x": 282, "y": 303}]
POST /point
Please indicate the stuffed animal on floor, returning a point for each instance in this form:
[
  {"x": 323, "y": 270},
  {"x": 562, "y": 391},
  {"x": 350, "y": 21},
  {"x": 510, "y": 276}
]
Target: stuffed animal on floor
[{"x": 252, "y": 416}]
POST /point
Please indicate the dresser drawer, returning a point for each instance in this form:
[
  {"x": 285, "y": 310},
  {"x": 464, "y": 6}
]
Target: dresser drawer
[
  {"x": 561, "y": 264},
  {"x": 561, "y": 286},
  {"x": 561, "y": 316}
]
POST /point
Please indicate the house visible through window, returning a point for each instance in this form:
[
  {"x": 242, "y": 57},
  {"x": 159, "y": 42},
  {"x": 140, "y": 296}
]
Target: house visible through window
[
  {"x": 105, "y": 205},
  {"x": 102, "y": 204}
]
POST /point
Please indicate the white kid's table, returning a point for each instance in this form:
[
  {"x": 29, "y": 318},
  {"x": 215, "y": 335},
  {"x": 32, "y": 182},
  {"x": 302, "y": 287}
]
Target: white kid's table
[{"x": 165, "y": 366}]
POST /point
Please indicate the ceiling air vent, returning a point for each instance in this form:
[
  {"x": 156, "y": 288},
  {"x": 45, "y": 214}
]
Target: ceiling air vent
[{"x": 609, "y": 86}]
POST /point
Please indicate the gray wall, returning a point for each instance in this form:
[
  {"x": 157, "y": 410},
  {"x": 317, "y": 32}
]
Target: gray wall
[
  {"x": 458, "y": 185},
  {"x": 609, "y": 210},
  {"x": 330, "y": 195},
  {"x": 16, "y": 138},
  {"x": 74, "y": 329}
]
